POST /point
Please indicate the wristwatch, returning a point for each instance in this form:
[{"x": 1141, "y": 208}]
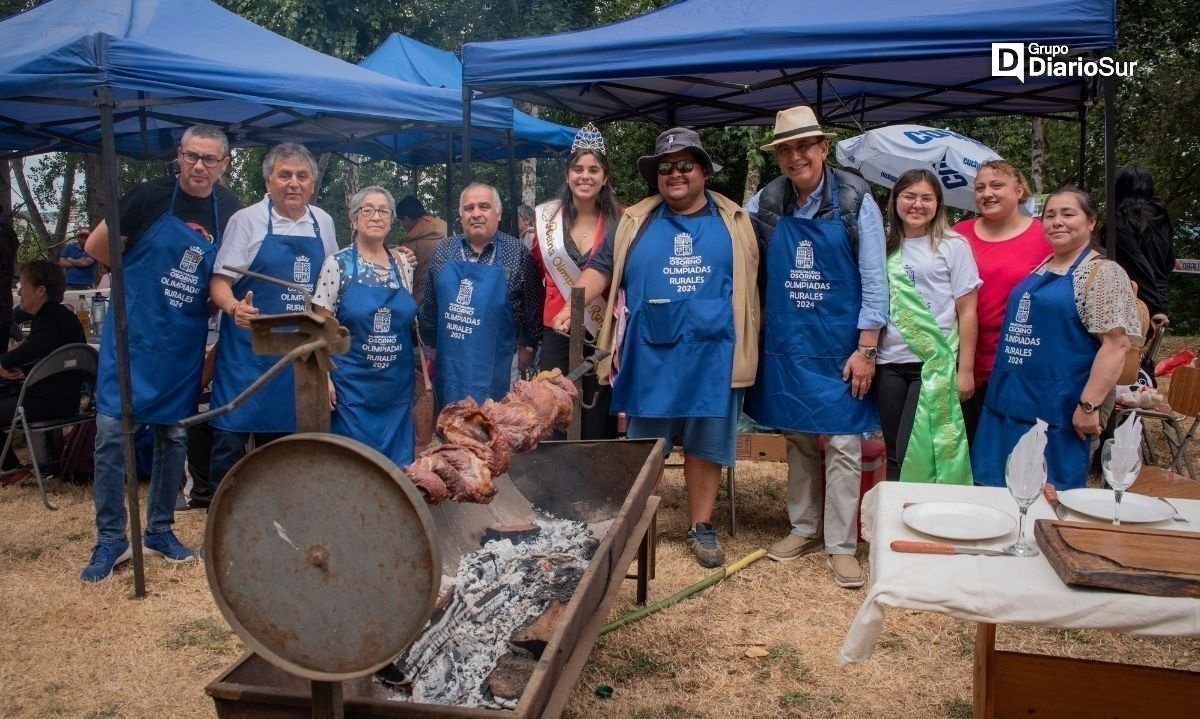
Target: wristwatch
[
  {"x": 868, "y": 352},
  {"x": 1088, "y": 407}
]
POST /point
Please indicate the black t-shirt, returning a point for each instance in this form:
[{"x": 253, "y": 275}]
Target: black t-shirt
[
  {"x": 144, "y": 204},
  {"x": 602, "y": 258}
]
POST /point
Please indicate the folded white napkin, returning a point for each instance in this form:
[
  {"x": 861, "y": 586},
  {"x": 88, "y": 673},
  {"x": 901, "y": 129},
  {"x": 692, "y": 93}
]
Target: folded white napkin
[
  {"x": 1127, "y": 447},
  {"x": 1027, "y": 463}
]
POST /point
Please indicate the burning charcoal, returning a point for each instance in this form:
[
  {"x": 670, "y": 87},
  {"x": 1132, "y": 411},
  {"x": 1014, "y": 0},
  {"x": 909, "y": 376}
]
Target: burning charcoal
[
  {"x": 536, "y": 636},
  {"x": 516, "y": 533}
]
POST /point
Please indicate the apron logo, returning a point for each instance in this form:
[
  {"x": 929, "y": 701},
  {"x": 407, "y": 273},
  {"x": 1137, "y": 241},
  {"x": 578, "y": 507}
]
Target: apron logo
[
  {"x": 383, "y": 321},
  {"x": 302, "y": 270},
  {"x": 911, "y": 272},
  {"x": 804, "y": 255},
  {"x": 1023, "y": 309},
  {"x": 465, "y": 289},
  {"x": 683, "y": 244},
  {"x": 190, "y": 260}
]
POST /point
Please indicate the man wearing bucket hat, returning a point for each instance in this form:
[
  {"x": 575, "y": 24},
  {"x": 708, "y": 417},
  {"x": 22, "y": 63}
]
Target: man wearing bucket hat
[
  {"x": 826, "y": 300},
  {"x": 682, "y": 320}
]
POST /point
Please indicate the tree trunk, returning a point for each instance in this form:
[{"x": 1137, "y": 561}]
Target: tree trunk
[
  {"x": 529, "y": 172},
  {"x": 322, "y": 165},
  {"x": 94, "y": 197},
  {"x": 350, "y": 176},
  {"x": 31, "y": 207},
  {"x": 1037, "y": 160},
  {"x": 66, "y": 201},
  {"x": 754, "y": 163},
  {"x": 9, "y": 243}
]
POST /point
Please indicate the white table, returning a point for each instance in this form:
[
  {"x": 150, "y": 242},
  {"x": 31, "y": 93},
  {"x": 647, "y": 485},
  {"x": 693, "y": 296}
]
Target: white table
[{"x": 1018, "y": 590}]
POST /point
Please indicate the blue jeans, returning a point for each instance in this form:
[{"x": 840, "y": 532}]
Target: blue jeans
[{"x": 170, "y": 451}]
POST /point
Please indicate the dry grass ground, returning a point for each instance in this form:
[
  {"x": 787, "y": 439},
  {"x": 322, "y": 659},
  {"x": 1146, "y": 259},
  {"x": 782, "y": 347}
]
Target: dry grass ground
[{"x": 71, "y": 650}]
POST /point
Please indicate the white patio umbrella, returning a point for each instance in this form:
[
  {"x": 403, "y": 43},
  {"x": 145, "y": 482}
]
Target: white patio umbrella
[{"x": 882, "y": 155}]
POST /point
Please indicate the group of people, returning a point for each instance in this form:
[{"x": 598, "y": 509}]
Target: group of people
[{"x": 821, "y": 319}]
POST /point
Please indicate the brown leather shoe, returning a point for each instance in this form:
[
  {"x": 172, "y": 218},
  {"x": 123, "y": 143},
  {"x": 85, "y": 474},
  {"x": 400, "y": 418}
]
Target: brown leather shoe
[
  {"x": 794, "y": 546},
  {"x": 846, "y": 571}
]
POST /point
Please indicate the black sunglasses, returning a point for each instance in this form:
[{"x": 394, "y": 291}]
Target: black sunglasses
[{"x": 684, "y": 166}]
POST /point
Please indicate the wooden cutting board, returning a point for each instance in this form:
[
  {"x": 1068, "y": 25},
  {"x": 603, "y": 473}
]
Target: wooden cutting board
[{"x": 1126, "y": 558}]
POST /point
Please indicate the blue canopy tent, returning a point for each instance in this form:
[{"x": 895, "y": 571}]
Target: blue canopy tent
[
  {"x": 129, "y": 76},
  {"x": 870, "y": 62},
  {"x": 407, "y": 59}
]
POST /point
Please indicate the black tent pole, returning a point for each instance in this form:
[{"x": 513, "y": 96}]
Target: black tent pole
[
  {"x": 449, "y": 182},
  {"x": 513, "y": 195},
  {"x": 1110, "y": 166},
  {"x": 112, "y": 221},
  {"x": 1082, "y": 174},
  {"x": 466, "y": 159}
]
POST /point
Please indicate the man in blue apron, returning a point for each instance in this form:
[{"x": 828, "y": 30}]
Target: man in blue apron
[
  {"x": 282, "y": 237},
  {"x": 482, "y": 303},
  {"x": 171, "y": 228},
  {"x": 681, "y": 271},
  {"x": 826, "y": 300}
]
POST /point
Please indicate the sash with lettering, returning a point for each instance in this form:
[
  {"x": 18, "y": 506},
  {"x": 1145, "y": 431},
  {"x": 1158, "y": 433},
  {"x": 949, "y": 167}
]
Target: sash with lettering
[{"x": 559, "y": 265}]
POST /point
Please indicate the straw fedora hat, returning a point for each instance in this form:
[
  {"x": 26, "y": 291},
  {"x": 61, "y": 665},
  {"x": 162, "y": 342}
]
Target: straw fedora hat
[{"x": 795, "y": 123}]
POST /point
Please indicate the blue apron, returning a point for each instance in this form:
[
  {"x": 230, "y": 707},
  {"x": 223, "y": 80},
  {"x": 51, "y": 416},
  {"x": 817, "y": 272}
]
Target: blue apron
[
  {"x": 813, "y": 299},
  {"x": 374, "y": 379},
  {"x": 272, "y": 408},
  {"x": 476, "y": 332},
  {"x": 166, "y": 301},
  {"x": 1042, "y": 364},
  {"x": 677, "y": 358}
]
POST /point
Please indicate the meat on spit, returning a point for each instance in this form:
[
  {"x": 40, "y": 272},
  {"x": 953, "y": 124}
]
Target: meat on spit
[{"x": 481, "y": 438}]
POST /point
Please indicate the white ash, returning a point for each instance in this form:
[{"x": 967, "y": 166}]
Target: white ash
[{"x": 498, "y": 591}]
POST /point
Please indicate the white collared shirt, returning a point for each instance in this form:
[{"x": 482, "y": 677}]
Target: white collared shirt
[{"x": 246, "y": 229}]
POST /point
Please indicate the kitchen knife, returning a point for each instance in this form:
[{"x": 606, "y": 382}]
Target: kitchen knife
[
  {"x": 1051, "y": 495},
  {"x": 903, "y": 545}
]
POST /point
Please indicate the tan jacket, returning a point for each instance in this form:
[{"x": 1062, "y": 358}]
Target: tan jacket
[
  {"x": 745, "y": 282},
  {"x": 421, "y": 239}
]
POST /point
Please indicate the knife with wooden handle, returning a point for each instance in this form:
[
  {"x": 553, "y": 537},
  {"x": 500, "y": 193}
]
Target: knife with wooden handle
[
  {"x": 1051, "y": 495},
  {"x": 911, "y": 547}
]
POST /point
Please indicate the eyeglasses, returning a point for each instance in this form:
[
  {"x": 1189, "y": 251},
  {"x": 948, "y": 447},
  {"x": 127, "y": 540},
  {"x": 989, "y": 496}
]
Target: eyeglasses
[
  {"x": 684, "y": 166},
  {"x": 909, "y": 198},
  {"x": 369, "y": 212},
  {"x": 799, "y": 148},
  {"x": 191, "y": 158}
]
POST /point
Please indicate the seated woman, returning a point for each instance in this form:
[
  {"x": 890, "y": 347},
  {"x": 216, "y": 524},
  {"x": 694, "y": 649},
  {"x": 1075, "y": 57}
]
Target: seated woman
[
  {"x": 1066, "y": 331},
  {"x": 54, "y": 325},
  {"x": 926, "y": 361},
  {"x": 367, "y": 288}
]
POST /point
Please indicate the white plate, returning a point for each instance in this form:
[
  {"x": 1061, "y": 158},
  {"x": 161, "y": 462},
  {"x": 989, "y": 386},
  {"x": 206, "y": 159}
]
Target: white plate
[
  {"x": 958, "y": 520},
  {"x": 1099, "y": 503}
]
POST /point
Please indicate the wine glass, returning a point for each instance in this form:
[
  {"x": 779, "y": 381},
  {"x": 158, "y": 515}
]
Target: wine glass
[
  {"x": 1025, "y": 487},
  {"x": 1120, "y": 466}
]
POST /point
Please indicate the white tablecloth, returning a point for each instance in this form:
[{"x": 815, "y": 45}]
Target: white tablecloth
[{"x": 999, "y": 590}]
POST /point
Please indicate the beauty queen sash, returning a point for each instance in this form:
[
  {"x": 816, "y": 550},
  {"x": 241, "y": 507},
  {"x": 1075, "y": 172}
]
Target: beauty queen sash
[{"x": 559, "y": 265}]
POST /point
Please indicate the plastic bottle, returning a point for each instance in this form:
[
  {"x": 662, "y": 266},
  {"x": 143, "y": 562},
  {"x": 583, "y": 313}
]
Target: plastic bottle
[{"x": 99, "y": 312}]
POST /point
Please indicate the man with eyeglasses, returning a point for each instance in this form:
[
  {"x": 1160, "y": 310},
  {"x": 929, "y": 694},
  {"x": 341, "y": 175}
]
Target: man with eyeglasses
[
  {"x": 826, "y": 300},
  {"x": 482, "y": 303},
  {"x": 682, "y": 322},
  {"x": 170, "y": 227},
  {"x": 284, "y": 237}
]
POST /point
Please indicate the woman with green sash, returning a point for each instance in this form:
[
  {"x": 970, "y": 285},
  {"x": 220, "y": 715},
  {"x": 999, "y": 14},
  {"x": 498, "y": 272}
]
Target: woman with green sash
[{"x": 926, "y": 356}]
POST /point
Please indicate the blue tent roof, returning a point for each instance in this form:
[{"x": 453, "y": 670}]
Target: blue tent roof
[
  {"x": 173, "y": 63},
  {"x": 713, "y": 62},
  {"x": 406, "y": 59}
]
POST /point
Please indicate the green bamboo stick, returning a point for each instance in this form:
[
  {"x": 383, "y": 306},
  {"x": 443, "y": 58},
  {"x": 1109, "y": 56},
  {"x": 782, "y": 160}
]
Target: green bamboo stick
[{"x": 727, "y": 571}]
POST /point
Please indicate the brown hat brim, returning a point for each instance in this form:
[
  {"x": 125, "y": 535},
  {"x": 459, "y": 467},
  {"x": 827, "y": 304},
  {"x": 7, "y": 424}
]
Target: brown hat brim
[{"x": 648, "y": 164}]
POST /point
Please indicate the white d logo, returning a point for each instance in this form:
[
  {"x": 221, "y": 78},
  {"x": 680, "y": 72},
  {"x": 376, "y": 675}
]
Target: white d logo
[{"x": 1008, "y": 60}]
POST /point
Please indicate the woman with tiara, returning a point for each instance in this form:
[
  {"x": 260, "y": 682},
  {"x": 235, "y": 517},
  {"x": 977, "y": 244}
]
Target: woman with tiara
[{"x": 567, "y": 230}]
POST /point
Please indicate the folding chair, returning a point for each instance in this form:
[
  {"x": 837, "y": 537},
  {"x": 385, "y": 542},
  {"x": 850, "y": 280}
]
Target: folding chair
[
  {"x": 68, "y": 358},
  {"x": 1184, "y": 398}
]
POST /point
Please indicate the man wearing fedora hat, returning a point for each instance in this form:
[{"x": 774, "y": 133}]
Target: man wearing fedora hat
[
  {"x": 682, "y": 320},
  {"x": 826, "y": 300}
]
